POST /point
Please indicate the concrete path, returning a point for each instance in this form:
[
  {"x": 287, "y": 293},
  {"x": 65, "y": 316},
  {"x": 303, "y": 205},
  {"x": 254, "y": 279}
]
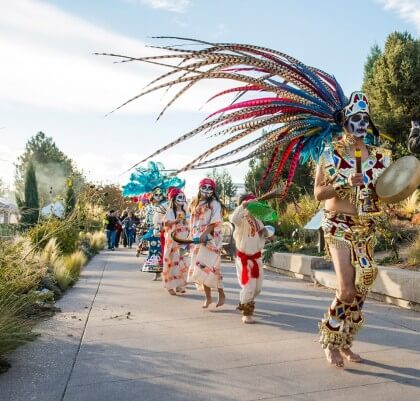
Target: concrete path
[{"x": 120, "y": 337}]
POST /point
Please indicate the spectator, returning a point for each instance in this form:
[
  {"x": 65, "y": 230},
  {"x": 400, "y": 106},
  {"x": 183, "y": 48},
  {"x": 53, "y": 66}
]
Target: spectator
[
  {"x": 118, "y": 230},
  {"x": 110, "y": 228},
  {"x": 129, "y": 227}
]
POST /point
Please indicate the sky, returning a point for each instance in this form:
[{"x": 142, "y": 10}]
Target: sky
[{"x": 50, "y": 80}]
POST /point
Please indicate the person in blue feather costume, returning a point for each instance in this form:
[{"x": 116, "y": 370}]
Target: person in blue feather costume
[{"x": 154, "y": 180}]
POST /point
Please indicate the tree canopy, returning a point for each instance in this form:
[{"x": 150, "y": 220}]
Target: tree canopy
[
  {"x": 392, "y": 83},
  {"x": 52, "y": 166}
]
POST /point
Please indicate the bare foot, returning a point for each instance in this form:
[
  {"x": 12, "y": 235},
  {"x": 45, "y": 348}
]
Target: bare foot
[
  {"x": 221, "y": 299},
  {"x": 247, "y": 319},
  {"x": 334, "y": 357},
  {"x": 172, "y": 292},
  {"x": 350, "y": 355},
  {"x": 206, "y": 304}
]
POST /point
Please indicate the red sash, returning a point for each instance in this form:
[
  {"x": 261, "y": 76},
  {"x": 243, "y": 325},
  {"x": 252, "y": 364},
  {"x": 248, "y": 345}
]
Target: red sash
[{"x": 255, "y": 271}]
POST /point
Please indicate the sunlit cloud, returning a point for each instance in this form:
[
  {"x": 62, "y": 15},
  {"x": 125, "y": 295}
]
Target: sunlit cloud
[
  {"x": 47, "y": 62},
  {"x": 408, "y": 10},
  {"x": 177, "y": 6}
]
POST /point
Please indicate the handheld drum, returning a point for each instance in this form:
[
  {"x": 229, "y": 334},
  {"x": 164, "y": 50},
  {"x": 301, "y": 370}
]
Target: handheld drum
[{"x": 399, "y": 180}]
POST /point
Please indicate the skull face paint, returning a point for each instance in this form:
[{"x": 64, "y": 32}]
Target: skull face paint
[
  {"x": 180, "y": 199},
  {"x": 206, "y": 191},
  {"x": 357, "y": 124},
  {"x": 157, "y": 194}
]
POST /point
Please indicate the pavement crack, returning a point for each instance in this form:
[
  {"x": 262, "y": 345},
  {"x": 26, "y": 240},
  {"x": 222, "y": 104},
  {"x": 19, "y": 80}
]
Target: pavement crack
[{"x": 83, "y": 333}]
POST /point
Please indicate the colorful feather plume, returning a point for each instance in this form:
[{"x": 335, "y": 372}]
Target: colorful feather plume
[
  {"x": 294, "y": 107},
  {"x": 144, "y": 180}
]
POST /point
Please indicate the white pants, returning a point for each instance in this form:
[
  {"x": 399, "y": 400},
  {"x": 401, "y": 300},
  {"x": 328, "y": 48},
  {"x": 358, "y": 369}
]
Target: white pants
[{"x": 254, "y": 285}]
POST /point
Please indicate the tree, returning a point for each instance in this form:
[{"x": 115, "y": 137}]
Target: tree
[
  {"x": 225, "y": 188},
  {"x": 369, "y": 71},
  {"x": 110, "y": 197},
  {"x": 29, "y": 206},
  {"x": 52, "y": 165},
  {"x": 392, "y": 82},
  {"x": 303, "y": 180}
]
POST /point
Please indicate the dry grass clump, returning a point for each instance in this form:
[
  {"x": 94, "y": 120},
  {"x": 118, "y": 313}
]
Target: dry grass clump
[
  {"x": 62, "y": 274},
  {"x": 97, "y": 240},
  {"x": 411, "y": 205},
  {"x": 74, "y": 263},
  {"x": 20, "y": 274},
  {"x": 414, "y": 253}
]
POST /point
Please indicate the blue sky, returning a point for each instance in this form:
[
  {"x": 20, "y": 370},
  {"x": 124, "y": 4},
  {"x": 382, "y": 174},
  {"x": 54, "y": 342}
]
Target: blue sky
[{"x": 51, "y": 82}]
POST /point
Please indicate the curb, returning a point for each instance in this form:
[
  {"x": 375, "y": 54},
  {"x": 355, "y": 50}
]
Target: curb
[{"x": 393, "y": 285}]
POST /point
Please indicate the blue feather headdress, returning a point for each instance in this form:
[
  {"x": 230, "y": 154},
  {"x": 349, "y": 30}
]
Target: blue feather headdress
[{"x": 144, "y": 180}]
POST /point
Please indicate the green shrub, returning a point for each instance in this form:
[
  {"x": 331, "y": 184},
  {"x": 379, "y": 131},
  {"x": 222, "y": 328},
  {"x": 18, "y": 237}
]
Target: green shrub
[{"x": 64, "y": 231}]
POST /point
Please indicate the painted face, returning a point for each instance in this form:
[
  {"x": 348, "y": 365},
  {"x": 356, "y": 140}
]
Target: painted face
[
  {"x": 157, "y": 194},
  {"x": 206, "y": 191},
  {"x": 180, "y": 199},
  {"x": 357, "y": 124}
]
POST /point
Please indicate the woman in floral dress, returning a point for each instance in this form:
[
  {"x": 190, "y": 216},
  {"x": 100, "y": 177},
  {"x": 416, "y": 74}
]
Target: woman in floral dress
[
  {"x": 206, "y": 222},
  {"x": 175, "y": 261}
]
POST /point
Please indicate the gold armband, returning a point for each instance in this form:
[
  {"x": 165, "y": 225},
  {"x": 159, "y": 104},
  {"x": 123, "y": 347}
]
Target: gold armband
[{"x": 342, "y": 189}]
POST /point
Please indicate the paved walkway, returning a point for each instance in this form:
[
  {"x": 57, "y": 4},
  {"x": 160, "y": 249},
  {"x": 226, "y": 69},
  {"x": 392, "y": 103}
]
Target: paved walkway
[{"x": 120, "y": 337}]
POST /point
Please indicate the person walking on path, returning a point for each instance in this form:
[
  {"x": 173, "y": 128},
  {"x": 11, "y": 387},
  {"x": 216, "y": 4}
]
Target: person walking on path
[
  {"x": 110, "y": 229},
  {"x": 118, "y": 230},
  {"x": 250, "y": 235},
  {"x": 175, "y": 261},
  {"x": 345, "y": 178},
  {"x": 129, "y": 227},
  {"x": 205, "y": 227}
]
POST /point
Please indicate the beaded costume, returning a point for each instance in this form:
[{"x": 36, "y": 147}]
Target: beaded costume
[{"x": 355, "y": 232}]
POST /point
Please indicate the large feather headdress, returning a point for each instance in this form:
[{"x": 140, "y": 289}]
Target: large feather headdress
[
  {"x": 296, "y": 108},
  {"x": 145, "y": 179}
]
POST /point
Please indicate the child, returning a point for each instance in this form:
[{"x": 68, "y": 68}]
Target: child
[{"x": 249, "y": 235}]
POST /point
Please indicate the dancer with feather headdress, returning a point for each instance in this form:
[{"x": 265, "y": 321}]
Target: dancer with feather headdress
[
  {"x": 153, "y": 180},
  {"x": 292, "y": 112}
]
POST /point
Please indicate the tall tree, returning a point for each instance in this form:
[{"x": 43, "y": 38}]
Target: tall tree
[
  {"x": 369, "y": 70},
  {"x": 29, "y": 206},
  {"x": 392, "y": 84},
  {"x": 52, "y": 165}
]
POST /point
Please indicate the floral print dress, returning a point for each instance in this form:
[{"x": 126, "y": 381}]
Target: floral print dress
[
  {"x": 175, "y": 259},
  {"x": 205, "y": 260}
]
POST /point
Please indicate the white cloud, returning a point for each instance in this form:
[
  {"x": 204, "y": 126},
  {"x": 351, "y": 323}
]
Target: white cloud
[
  {"x": 177, "y": 6},
  {"x": 408, "y": 10},
  {"x": 47, "y": 62}
]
